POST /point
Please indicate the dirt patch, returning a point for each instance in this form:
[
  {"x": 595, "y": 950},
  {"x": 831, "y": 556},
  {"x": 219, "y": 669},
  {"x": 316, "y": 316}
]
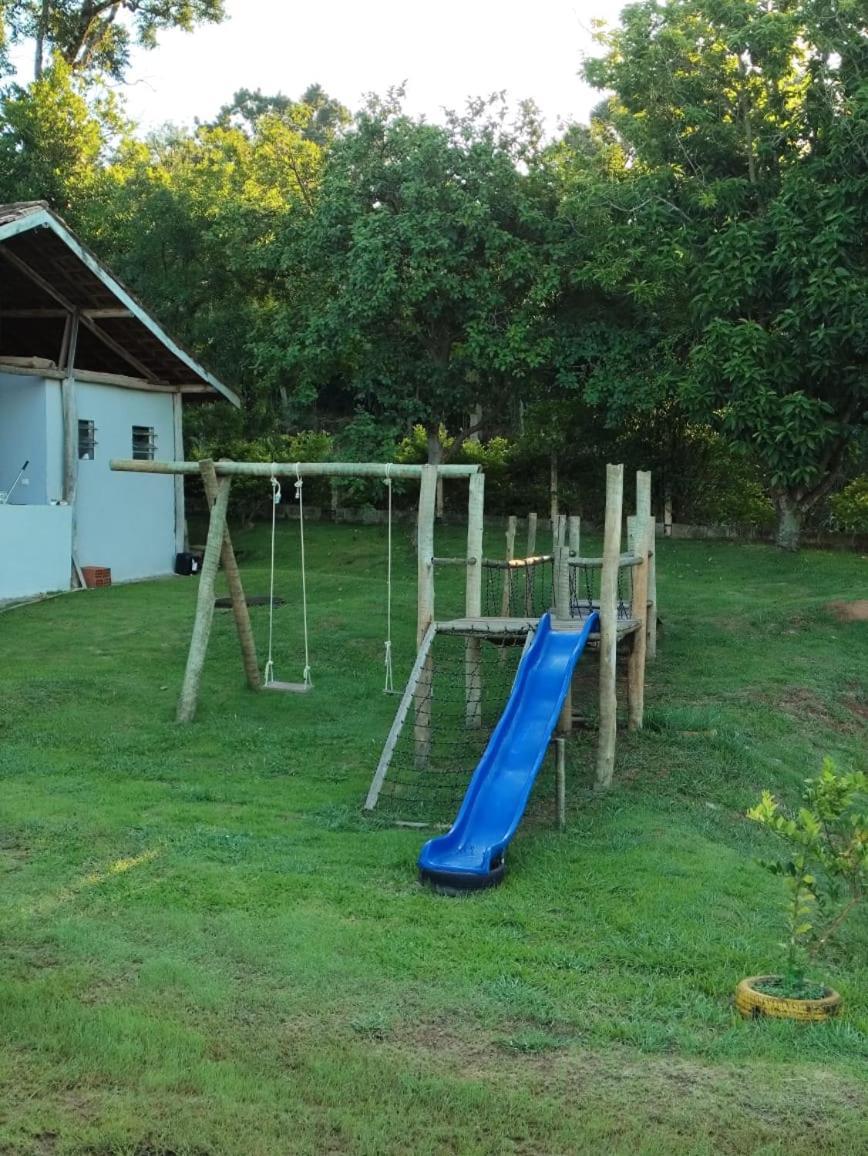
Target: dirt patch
[
  {"x": 571, "y": 1071},
  {"x": 856, "y": 611},
  {"x": 803, "y": 704}
]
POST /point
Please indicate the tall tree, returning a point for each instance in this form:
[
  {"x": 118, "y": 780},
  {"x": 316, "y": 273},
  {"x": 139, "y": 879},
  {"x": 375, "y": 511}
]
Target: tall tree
[
  {"x": 756, "y": 114},
  {"x": 208, "y": 264},
  {"x": 410, "y": 264},
  {"x": 96, "y": 36},
  {"x": 55, "y": 140}
]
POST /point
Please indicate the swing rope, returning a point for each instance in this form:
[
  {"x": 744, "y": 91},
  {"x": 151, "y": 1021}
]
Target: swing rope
[
  {"x": 276, "y": 495},
  {"x": 389, "y": 687},
  {"x": 299, "y": 485}
]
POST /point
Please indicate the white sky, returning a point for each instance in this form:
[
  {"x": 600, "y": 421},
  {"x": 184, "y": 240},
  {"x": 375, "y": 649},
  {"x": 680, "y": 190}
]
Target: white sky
[{"x": 445, "y": 51}]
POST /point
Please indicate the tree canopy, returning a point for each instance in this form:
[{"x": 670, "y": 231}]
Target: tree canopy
[{"x": 691, "y": 263}]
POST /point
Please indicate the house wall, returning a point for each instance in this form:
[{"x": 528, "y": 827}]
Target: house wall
[
  {"x": 22, "y": 437},
  {"x": 125, "y": 521},
  {"x": 35, "y": 550}
]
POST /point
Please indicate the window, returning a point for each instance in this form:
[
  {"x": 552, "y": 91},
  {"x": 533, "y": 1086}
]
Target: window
[
  {"x": 86, "y": 441},
  {"x": 144, "y": 443}
]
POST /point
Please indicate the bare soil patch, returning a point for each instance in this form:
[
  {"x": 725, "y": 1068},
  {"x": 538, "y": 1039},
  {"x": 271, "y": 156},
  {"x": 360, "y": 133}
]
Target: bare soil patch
[{"x": 856, "y": 611}]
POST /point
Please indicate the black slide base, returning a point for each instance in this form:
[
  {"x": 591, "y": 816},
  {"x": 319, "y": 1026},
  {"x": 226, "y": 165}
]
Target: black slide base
[{"x": 453, "y": 883}]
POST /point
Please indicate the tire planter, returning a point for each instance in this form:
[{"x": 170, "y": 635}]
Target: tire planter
[{"x": 753, "y": 1004}]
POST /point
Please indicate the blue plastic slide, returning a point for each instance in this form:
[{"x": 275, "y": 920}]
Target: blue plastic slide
[{"x": 471, "y": 854}]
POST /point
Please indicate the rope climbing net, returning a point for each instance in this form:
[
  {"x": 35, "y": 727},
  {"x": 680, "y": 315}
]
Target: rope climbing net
[
  {"x": 585, "y": 590},
  {"x": 460, "y": 694},
  {"x": 523, "y": 587}
]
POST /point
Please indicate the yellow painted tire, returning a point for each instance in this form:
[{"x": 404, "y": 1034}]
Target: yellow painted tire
[{"x": 753, "y": 1004}]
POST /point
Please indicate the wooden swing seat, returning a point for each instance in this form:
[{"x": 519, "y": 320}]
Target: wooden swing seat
[{"x": 288, "y": 687}]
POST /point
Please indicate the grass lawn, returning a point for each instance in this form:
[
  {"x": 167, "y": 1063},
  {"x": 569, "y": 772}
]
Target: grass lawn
[{"x": 207, "y": 948}]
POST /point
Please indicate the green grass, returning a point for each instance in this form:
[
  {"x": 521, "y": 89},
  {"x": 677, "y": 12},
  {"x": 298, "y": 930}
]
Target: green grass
[{"x": 208, "y": 949}]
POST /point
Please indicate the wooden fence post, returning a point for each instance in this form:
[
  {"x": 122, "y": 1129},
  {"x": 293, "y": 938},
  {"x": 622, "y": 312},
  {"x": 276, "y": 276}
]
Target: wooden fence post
[
  {"x": 204, "y": 604},
  {"x": 609, "y": 626},
  {"x": 236, "y": 588}
]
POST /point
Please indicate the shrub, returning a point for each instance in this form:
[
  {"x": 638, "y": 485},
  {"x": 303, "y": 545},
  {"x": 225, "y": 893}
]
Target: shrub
[
  {"x": 826, "y": 865},
  {"x": 849, "y": 507},
  {"x": 251, "y": 497}
]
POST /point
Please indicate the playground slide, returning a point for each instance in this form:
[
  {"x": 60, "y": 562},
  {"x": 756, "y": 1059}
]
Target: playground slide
[{"x": 471, "y": 854}]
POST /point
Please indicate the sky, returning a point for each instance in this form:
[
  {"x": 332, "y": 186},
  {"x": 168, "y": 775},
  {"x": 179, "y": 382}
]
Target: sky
[{"x": 445, "y": 51}]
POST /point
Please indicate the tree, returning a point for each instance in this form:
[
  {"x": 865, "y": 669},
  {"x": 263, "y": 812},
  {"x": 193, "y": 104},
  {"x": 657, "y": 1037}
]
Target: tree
[
  {"x": 756, "y": 116},
  {"x": 207, "y": 263},
  {"x": 55, "y": 141},
  {"x": 407, "y": 270},
  {"x": 317, "y": 116},
  {"x": 96, "y": 36}
]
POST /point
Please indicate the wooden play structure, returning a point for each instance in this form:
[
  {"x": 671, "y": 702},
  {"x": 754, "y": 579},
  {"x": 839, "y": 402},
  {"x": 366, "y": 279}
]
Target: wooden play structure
[{"x": 503, "y": 600}]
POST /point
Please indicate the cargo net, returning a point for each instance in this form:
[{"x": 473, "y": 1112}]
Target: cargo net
[
  {"x": 522, "y": 588},
  {"x": 585, "y": 590},
  {"x": 459, "y": 698}
]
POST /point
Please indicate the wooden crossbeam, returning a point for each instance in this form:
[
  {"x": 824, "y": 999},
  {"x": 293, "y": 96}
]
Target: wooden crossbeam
[
  {"x": 58, "y": 314},
  {"x": 86, "y": 321}
]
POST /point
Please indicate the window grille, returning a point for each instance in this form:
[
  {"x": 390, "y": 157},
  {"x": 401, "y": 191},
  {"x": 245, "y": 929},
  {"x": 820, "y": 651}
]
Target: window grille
[
  {"x": 144, "y": 443},
  {"x": 86, "y": 441}
]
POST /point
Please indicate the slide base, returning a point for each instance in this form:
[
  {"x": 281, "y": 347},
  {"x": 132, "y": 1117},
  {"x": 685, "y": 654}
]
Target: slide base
[{"x": 455, "y": 883}]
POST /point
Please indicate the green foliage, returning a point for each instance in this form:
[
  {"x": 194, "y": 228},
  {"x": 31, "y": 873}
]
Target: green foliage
[
  {"x": 95, "y": 36},
  {"x": 208, "y": 264},
  {"x": 412, "y": 260},
  {"x": 826, "y": 868},
  {"x": 755, "y": 120},
  {"x": 252, "y": 497},
  {"x": 849, "y": 507},
  {"x": 56, "y": 137}
]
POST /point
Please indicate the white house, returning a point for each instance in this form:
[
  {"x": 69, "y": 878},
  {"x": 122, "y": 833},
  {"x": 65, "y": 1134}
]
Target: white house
[{"x": 86, "y": 375}]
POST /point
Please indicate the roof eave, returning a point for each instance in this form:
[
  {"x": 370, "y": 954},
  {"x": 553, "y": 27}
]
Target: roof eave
[{"x": 45, "y": 219}]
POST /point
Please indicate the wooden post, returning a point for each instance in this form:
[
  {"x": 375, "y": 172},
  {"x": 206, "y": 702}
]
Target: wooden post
[
  {"x": 506, "y": 599},
  {"x": 70, "y": 418},
  {"x": 562, "y": 611},
  {"x": 667, "y": 514},
  {"x": 636, "y": 664},
  {"x": 473, "y": 601},
  {"x": 561, "y": 783},
  {"x": 204, "y": 604},
  {"x": 425, "y": 608},
  {"x": 609, "y": 626},
  {"x": 180, "y": 514},
  {"x": 631, "y": 533},
  {"x": 645, "y": 511},
  {"x": 425, "y": 551},
  {"x": 531, "y": 535},
  {"x": 236, "y": 588},
  {"x": 575, "y": 532}
]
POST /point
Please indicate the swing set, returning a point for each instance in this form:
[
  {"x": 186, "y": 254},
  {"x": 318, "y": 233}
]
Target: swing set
[{"x": 217, "y": 480}]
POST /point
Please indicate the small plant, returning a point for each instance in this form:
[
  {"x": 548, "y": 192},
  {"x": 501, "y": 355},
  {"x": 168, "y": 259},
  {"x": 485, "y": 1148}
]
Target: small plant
[{"x": 826, "y": 868}]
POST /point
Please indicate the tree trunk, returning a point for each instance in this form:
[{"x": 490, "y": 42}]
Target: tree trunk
[
  {"x": 789, "y": 528},
  {"x": 41, "y": 32},
  {"x": 554, "y": 508},
  {"x": 435, "y": 458}
]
